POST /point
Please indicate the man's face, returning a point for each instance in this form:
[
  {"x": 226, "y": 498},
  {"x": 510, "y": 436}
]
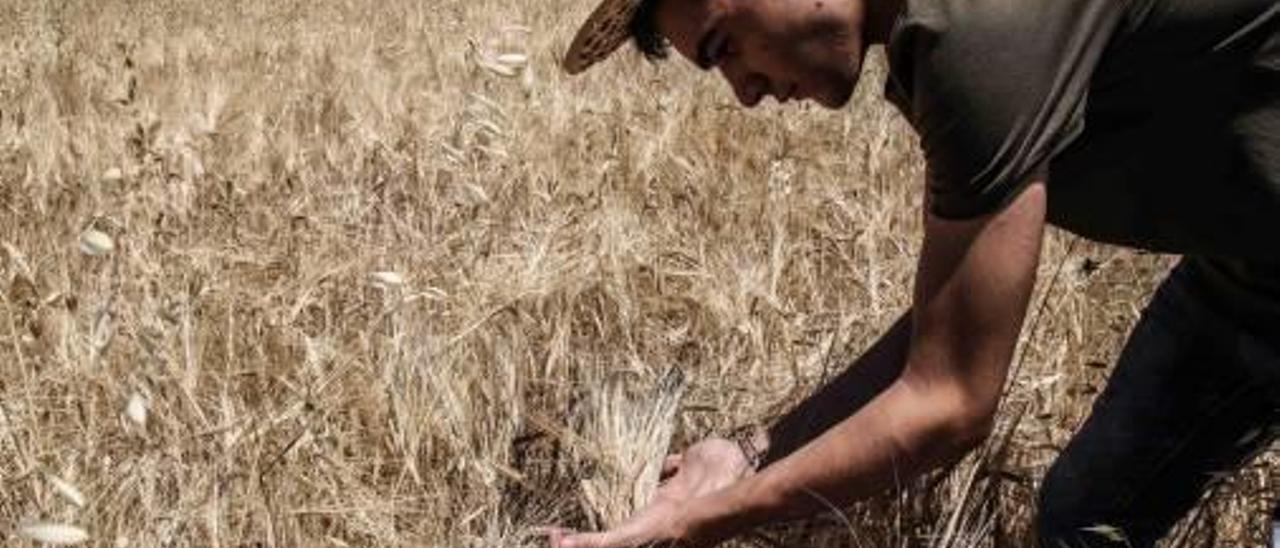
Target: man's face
[{"x": 790, "y": 49}]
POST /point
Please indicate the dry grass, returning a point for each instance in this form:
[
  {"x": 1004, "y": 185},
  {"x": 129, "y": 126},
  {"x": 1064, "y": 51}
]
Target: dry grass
[{"x": 367, "y": 281}]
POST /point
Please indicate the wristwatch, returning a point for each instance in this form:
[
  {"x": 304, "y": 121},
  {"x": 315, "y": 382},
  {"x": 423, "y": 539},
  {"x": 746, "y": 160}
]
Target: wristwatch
[{"x": 747, "y": 440}]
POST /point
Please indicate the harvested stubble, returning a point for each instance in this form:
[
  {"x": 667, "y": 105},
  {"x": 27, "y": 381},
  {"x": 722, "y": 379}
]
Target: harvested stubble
[{"x": 337, "y": 273}]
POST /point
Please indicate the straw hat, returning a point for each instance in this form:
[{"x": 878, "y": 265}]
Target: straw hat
[{"x": 607, "y": 29}]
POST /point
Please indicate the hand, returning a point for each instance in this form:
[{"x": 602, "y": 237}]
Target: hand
[{"x": 704, "y": 468}]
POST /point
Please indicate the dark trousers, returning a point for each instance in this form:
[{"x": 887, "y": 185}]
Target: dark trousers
[{"x": 1195, "y": 394}]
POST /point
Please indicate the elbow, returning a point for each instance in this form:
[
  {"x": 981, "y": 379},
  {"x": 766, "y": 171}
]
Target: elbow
[
  {"x": 960, "y": 416},
  {"x": 968, "y": 428},
  {"x": 963, "y": 421}
]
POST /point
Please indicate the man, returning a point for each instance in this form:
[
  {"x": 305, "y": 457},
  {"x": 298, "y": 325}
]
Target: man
[{"x": 1148, "y": 123}]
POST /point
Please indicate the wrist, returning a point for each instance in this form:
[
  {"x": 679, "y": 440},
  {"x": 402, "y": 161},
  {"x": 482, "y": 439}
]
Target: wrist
[
  {"x": 753, "y": 443},
  {"x": 726, "y": 513}
]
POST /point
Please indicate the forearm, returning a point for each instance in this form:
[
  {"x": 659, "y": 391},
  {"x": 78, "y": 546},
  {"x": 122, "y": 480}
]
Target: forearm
[
  {"x": 972, "y": 288},
  {"x": 896, "y": 436},
  {"x": 878, "y": 368}
]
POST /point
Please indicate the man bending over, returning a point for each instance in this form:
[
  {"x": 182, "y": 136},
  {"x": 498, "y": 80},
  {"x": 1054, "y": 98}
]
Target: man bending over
[{"x": 1147, "y": 123}]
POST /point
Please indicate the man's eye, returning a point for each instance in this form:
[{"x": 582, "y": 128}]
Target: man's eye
[
  {"x": 727, "y": 50},
  {"x": 713, "y": 49},
  {"x": 720, "y": 49}
]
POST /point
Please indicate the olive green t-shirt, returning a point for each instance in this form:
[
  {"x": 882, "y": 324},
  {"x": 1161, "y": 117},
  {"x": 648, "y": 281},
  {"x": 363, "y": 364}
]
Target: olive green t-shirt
[{"x": 1156, "y": 122}]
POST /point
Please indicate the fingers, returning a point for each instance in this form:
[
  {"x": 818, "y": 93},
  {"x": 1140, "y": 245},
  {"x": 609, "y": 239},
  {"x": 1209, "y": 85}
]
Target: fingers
[
  {"x": 588, "y": 540},
  {"x": 671, "y": 465},
  {"x": 555, "y": 535},
  {"x": 561, "y": 537}
]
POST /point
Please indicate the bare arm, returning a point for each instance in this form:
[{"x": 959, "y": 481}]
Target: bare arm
[
  {"x": 972, "y": 287},
  {"x": 877, "y": 369},
  {"x": 923, "y": 396}
]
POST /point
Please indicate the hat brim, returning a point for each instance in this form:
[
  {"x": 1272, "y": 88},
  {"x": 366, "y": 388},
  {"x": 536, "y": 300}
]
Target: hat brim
[{"x": 603, "y": 33}]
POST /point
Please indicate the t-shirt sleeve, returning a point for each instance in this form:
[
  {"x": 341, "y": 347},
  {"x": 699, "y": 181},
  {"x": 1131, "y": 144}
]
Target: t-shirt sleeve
[{"x": 994, "y": 88}]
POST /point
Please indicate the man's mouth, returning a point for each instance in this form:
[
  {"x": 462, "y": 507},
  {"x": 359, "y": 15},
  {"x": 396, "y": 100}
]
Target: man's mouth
[{"x": 788, "y": 95}]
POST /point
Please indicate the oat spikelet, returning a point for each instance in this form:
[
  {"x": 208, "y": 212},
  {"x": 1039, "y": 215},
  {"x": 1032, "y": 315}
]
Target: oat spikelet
[
  {"x": 67, "y": 490},
  {"x": 57, "y": 534},
  {"x": 513, "y": 60},
  {"x": 95, "y": 243},
  {"x": 136, "y": 409},
  {"x": 1110, "y": 532},
  {"x": 505, "y": 71},
  {"x": 386, "y": 279}
]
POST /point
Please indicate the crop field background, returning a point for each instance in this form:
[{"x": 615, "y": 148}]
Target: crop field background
[{"x": 376, "y": 274}]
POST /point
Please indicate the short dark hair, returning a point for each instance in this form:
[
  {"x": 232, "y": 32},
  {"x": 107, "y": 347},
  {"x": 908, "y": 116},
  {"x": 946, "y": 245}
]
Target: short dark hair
[{"x": 644, "y": 31}]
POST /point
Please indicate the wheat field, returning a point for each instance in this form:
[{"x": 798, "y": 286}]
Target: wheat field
[{"x": 338, "y": 273}]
